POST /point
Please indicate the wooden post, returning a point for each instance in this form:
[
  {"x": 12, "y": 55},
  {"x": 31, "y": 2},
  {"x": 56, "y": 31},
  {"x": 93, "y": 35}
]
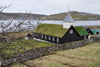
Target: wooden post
[{"x": 0, "y": 62}]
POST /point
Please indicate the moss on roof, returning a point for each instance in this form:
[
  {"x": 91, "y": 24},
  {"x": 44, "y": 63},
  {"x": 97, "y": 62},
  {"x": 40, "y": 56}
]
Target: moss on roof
[
  {"x": 51, "y": 29},
  {"x": 81, "y": 31},
  {"x": 57, "y": 30}
]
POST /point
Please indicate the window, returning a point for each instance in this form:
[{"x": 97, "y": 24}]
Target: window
[
  {"x": 53, "y": 38},
  {"x": 42, "y": 36},
  {"x": 71, "y": 31},
  {"x": 84, "y": 37},
  {"x": 89, "y": 37},
  {"x": 49, "y": 38},
  {"x": 57, "y": 39},
  {"x": 45, "y": 37}
]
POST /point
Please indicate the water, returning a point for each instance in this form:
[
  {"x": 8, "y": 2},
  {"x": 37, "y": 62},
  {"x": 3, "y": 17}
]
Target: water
[
  {"x": 77, "y": 23},
  {"x": 35, "y": 23}
]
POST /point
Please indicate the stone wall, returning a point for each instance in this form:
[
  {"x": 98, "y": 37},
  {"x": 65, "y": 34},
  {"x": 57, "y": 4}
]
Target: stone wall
[{"x": 38, "y": 52}]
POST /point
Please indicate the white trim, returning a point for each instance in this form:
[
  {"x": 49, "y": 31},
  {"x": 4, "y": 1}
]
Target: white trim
[
  {"x": 71, "y": 31},
  {"x": 41, "y": 40},
  {"x": 89, "y": 37},
  {"x": 26, "y": 38},
  {"x": 49, "y": 38},
  {"x": 84, "y": 37},
  {"x": 53, "y": 38},
  {"x": 45, "y": 37},
  {"x": 42, "y": 36},
  {"x": 57, "y": 39}
]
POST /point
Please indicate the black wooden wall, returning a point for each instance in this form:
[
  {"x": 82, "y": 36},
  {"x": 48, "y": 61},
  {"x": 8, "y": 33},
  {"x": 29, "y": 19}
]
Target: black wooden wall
[{"x": 71, "y": 37}]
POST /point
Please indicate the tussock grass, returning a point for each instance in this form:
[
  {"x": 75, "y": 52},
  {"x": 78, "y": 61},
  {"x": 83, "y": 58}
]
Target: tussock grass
[
  {"x": 87, "y": 56},
  {"x": 24, "y": 46},
  {"x": 17, "y": 65}
]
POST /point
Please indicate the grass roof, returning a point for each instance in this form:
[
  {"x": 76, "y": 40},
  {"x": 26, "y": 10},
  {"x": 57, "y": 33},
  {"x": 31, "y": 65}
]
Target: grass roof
[
  {"x": 51, "y": 29},
  {"x": 58, "y": 30},
  {"x": 81, "y": 31}
]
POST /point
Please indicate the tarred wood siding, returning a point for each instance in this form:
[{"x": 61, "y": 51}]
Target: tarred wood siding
[{"x": 71, "y": 37}]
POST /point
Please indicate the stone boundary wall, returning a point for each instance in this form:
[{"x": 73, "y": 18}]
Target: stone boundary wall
[{"x": 38, "y": 52}]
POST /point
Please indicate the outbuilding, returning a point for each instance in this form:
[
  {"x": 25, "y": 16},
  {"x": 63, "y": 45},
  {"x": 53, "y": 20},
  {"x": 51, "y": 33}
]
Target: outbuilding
[
  {"x": 92, "y": 31},
  {"x": 97, "y": 30}
]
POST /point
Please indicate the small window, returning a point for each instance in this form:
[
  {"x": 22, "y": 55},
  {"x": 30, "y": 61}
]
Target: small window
[
  {"x": 42, "y": 36},
  {"x": 84, "y": 37},
  {"x": 71, "y": 31},
  {"x": 57, "y": 39},
  {"x": 45, "y": 37},
  {"x": 53, "y": 38},
  {"x": 49, "y": 38}
]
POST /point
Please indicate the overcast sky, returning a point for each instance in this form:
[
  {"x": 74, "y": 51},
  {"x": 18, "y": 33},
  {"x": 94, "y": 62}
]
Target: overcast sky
[{"x": 51, "y": 6}]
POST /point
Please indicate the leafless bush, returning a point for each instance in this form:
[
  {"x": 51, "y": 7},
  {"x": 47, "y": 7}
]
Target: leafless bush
[{"x": 11, "y": 30}]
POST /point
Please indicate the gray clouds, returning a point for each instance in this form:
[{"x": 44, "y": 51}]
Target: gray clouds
[{"x": 51, "y": 6}]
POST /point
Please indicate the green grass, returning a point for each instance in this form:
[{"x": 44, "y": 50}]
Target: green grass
[
  {"x": 22, "y": 46},
  {"x": 51, "y": 29},
  {"x": 57, "y": 30},
  {"x": 74, "y": 14},
  {"x": 18, "y": 65},
  {"x": 87, "y": 56},
  {"x": 81, "y": 30}
]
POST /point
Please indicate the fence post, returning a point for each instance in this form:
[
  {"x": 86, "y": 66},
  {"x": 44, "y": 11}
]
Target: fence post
[{"x": 0, "y": 61}]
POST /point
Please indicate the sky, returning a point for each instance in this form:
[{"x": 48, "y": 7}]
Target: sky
[{"x": 49, "y": 7}]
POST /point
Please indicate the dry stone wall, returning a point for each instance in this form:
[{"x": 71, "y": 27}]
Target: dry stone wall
[{"x": 38, "y": 52}]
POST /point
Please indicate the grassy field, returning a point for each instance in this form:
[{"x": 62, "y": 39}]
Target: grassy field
[
  {"x": 74, "y": 14},
  {"x": 87, "y": 56},
  {"x": 21, "y": 46}
]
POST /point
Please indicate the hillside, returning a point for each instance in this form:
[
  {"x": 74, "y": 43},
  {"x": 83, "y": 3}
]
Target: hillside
[
  {"x": 87, "y": 56},
  {"x": 75, "y": 15},
  {"x": 19, "y": 15}
]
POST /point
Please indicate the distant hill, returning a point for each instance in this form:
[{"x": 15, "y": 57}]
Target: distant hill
[
  {"x": 20, "y": 15},
  {"x": 75, "y": 15}
]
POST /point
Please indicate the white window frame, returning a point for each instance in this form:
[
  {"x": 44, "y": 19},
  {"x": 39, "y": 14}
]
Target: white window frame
[
  {"x": 53, "y": 38},
  {"x": 84, "y": 37},
  {"x": 45, "y": 37},
  {"x": 57, "y": 39},
  {"x": 49, "y": 38},
  {"x": 89, "y": 37},
  {"x": 71, "y": 31},
  {"x": 42, "y": 36}
]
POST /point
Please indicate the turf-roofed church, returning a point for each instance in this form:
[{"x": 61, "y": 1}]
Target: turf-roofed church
[{"x": 61, "y": 33}]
